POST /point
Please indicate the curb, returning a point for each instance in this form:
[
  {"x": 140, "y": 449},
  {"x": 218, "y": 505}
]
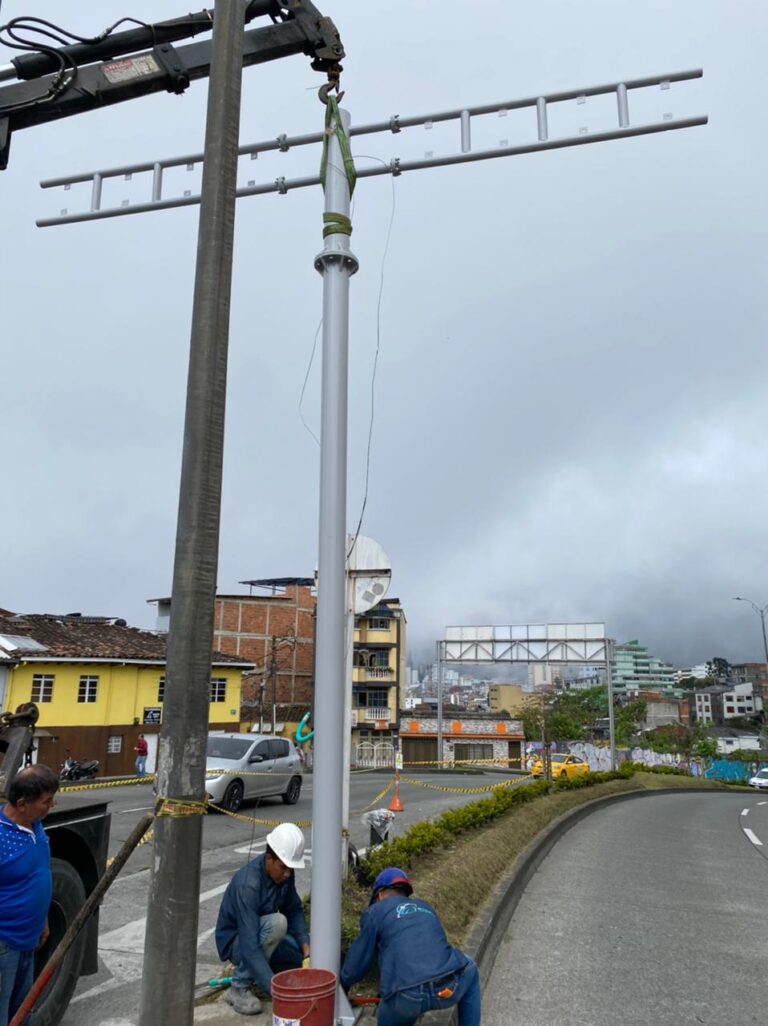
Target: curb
[{"x": 491, "y": 923}]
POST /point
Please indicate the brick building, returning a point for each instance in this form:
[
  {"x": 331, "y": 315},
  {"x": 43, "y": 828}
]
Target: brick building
[{"x": 275, "y": 631}]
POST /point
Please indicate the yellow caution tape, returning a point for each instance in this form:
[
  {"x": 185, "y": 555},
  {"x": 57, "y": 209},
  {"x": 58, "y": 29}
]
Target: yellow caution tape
[
  {"x": 108, "y": 783},
  {"x": 255, "y": 819},
  {"x": 378, "y": 797},
  {"x": 178, "y": 807},
  {"x": 462, "y": 790}
]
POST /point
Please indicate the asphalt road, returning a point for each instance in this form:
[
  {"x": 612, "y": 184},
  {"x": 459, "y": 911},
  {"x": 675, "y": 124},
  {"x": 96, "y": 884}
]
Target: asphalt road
[
  {"x": 112, "y": 996},
  {"x": 649, "y": 911}
]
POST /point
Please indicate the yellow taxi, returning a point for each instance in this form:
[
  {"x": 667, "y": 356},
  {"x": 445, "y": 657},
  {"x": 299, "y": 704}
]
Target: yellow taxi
[{"x": 564, "y": 767}]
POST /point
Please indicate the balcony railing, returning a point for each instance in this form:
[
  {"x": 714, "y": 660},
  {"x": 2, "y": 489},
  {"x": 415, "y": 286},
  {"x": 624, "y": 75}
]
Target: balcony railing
[
  {"x": 374, "y": 713},
  {"x": 377, "y": 672}
]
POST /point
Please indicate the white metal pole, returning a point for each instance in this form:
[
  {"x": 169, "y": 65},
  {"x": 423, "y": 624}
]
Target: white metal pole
[
  {"x": 439, "y": 705},
  {"x": 609, "y": 685},
  {"x": 348, "y": 666},
  {"x": 336, "y": 264}
]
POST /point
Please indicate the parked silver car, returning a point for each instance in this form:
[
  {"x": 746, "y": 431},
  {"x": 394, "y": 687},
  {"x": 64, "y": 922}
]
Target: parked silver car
[{"x": 253, "y": 767}]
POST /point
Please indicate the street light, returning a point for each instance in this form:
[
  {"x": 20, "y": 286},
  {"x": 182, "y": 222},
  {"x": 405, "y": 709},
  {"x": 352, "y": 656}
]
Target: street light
[{"x": 761, "y": 611}]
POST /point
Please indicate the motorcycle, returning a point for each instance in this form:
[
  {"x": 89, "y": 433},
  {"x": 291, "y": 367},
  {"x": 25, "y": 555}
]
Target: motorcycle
[{"x": 77, "y": 769}]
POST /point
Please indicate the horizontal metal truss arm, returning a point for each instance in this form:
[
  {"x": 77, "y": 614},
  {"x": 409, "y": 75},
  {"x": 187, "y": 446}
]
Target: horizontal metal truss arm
[
  {"x": 587, "y": 652},
  {"x": 157, "y": 201}
]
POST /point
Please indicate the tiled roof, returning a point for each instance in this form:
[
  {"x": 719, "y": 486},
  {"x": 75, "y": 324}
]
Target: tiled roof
[{"x": 94, "y": 637}]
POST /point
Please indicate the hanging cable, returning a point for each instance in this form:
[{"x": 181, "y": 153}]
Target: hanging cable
[
  {"x": 375, "y": 361},
  {"x": 38, "y": 29},
  {"x": 306, "y": 379}
]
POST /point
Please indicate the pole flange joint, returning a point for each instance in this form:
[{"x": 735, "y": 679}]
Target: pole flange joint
[{"x": 329, "y": 257}]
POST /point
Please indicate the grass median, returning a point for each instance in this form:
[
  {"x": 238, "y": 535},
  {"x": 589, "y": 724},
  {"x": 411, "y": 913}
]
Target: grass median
[{"x": 458, "y": 877}]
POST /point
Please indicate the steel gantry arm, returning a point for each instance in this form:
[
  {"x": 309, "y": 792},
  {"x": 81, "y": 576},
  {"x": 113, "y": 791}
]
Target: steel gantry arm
[{"x": 78, "y": 84}]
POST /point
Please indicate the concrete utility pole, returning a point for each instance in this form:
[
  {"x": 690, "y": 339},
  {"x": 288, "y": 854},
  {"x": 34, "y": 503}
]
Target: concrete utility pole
[
  {"x": 170, "y": 952},
  {"x": 336, "y": 263}
]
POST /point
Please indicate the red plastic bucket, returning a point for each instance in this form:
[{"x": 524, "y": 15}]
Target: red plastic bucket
[{"x": 303, "y": 997}]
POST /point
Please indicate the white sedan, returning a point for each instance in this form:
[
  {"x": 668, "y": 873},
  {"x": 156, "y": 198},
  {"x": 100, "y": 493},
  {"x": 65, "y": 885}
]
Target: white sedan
[{"x": 760, "y": 779}]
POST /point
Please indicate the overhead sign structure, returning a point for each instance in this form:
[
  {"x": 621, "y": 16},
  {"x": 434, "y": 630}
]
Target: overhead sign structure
[
  {"x": 583, "y": 643},
  {"x": 526, "y": 643}
]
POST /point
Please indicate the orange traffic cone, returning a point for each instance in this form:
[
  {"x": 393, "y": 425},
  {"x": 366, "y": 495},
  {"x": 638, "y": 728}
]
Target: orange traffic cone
[{"x": 396, "y": 805}]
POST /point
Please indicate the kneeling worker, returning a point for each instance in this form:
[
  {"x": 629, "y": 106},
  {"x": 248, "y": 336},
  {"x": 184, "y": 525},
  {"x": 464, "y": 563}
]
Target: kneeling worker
[
  {"x": 418, "y": 969},
  {"x": 261, "y": 927}
]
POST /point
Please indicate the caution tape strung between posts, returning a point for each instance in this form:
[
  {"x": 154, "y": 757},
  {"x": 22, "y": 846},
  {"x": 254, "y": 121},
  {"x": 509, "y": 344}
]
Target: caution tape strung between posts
[
  {"x": 256, "y": 819},
  {"x": 108, "y": 783},
  {"x": 378, "y": 798},
  {"x": 463, "y": 790}
]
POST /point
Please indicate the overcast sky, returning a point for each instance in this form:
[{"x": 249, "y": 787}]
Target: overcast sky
[{"x": 571, "y": 394}]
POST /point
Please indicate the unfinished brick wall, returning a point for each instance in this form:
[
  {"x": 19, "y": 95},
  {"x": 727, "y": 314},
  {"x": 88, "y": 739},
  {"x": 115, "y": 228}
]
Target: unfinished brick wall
[{"x": 244, "y": 625}]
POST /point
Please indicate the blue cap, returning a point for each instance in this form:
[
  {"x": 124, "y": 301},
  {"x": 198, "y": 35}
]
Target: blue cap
[{"x": 390, "y": 877}]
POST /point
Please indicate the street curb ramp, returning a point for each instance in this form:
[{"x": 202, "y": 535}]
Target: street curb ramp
[{"x": 491, "y": 923}]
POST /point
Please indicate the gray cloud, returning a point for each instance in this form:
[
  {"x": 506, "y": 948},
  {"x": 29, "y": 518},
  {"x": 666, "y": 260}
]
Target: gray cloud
[{"x": 571, "y": 391}]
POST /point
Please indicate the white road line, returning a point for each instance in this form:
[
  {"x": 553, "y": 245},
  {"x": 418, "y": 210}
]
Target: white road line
[
  {"x": 762, "y": 803},
  {"x": 122, "y": 950},
  {"x": 753, "y": 837},
  {"x": 144, "y": 808},
  {"x": 744, "y": 812}
]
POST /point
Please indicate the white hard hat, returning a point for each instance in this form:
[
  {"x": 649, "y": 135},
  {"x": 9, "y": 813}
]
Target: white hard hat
[{"x": 287, "y": 842}]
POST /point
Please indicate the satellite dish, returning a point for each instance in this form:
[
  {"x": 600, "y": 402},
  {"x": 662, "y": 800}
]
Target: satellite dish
[{"x": 369, "y": 565}]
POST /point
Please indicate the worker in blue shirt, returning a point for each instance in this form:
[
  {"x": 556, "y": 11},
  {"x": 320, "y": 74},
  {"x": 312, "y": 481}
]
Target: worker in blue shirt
[
  {"x": 418, "y": 969},
  {"x": 25, "y": 882},
  {"x": 261, "y": 926}
]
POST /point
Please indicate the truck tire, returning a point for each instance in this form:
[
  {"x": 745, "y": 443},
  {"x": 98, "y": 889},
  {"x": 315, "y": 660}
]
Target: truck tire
[{"x": 67, "y": 899}]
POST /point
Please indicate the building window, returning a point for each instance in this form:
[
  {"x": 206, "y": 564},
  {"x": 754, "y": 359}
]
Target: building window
[
  {"x": 729, "y": 709},
  {"x": 379, "y": 623},
  {"x": 161, "y": 690},
  {"x": 88, "y": 689},
  {"x": 114, "y": 744},
  {"x": 373, "y": 699},
  {"x": 218, "y": 689},
  {"x": 42, "y": 687}
]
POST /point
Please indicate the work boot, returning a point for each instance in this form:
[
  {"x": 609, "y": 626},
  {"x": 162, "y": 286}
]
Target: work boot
[{"x": 243, "y": 1001}]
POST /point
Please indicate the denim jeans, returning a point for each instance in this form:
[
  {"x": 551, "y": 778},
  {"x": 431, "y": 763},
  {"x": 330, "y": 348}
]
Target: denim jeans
[
  {"x": 141, "y": 765},
  {"x": 16, "y": 975},
  {"x": 279, "y": 951},
  {"x": 404, "y": 1007}
]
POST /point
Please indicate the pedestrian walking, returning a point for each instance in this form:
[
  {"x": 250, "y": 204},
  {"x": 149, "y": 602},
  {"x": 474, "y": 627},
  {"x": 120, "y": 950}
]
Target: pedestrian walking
[
  {"x": 25, "y": 882},
  {"x": 419, "y": 971},
  {"x": 261, "y": 926},
  {"x": 142, "y": 750}
]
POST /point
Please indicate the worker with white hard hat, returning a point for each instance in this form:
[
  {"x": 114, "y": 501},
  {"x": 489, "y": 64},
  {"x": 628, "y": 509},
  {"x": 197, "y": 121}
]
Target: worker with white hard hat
[{"x": 261, "y": 926}]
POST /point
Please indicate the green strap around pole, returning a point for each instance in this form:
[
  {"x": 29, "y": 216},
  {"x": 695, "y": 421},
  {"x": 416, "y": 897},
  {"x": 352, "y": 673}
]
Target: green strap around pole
[{"x": 337, "y": 224}]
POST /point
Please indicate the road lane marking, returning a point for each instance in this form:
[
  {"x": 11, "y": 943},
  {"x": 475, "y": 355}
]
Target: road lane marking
[
  {"x": 753, "y": 837},
  {"x": 144, "y": 808},
  {"x": 122, "y": 950},
  {"x": 744, "y": 812},
  {"x": 762, "y": 803}
]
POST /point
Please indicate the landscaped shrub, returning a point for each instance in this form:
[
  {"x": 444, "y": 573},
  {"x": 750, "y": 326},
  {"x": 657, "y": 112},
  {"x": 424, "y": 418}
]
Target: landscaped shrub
[{"x": 439, "y": 833}]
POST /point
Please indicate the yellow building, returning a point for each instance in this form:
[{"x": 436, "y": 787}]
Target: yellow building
[
  {"x": 509, "y": 697},
  {"x": 98, "y": 684},
  {"x": 378, "y": 674}
]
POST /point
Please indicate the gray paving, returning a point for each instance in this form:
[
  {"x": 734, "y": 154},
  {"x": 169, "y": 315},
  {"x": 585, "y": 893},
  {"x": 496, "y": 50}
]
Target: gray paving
[{"x": 648, "y": 913}]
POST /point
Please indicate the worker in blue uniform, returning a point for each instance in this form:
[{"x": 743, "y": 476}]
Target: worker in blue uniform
[
  {"x": 418, "y": 969},
  {"x": 261, "y": 927}
]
